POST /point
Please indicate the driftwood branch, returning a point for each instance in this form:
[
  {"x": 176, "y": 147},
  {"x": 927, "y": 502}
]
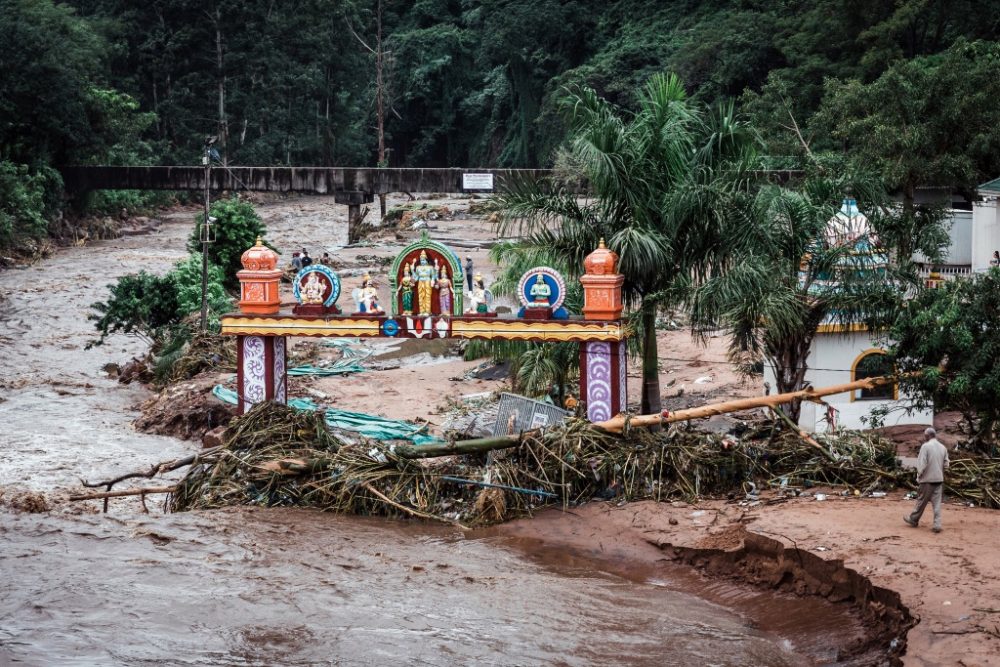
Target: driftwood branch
[
  {"x": 99, "y": 495},
  {"x": 155, "y": 469}
]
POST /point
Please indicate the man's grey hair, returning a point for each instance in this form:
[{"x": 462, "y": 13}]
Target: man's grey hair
[{"x": 930, "y": 432}]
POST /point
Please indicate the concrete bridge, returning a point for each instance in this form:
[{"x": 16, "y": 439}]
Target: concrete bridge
[{"x": 349, "y": 185}]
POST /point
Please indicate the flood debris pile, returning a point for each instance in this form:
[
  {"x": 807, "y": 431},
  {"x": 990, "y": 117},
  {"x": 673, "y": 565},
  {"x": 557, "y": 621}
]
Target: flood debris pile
[
  {"x": 278, "y": 456},
  {"x": 203, "y": 352}
]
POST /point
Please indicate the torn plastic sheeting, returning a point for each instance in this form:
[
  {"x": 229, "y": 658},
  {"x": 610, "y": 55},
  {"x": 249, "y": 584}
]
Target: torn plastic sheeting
[
  {"x": 340, "y": 367},
  {"x": 371, "y": 426},
  {"x": 349, "y": 348}
]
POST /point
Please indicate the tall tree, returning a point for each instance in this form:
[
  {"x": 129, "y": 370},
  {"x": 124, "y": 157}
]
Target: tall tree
[
  {"x": 661, "y": 179},
  {"x": 927, "y": 121},
  {"x": 945, "y": 346}
]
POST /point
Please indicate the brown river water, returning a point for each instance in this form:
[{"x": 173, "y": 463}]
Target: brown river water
[{"x": 294, "y": 587}]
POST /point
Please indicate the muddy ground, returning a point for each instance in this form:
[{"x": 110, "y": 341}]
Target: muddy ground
[{"x": 596, "y": 585}]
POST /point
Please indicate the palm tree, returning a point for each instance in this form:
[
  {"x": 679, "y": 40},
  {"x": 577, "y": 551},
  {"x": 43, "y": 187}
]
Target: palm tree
[
  {"x": 796, "y": 270},
  {"x": 660, "y": 178}
]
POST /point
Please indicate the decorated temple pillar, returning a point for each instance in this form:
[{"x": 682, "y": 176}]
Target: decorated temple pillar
[
  {"x": 261, "y": 370},
  {"x": 603, "y": 386},
  {"x": 603, "y": 364}
]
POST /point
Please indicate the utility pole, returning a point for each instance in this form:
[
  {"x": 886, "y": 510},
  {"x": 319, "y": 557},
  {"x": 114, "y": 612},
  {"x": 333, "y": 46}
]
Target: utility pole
[{"x": 205, "y": 240}]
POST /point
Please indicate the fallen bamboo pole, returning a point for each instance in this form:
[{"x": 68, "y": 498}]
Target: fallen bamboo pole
[{"x": 616, "y": 424}]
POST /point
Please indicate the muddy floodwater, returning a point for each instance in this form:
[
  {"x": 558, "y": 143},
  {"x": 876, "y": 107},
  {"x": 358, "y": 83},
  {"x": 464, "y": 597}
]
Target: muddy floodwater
[
  {"x": 267, "y": 587},
  {"x": 295, "y": 587}
]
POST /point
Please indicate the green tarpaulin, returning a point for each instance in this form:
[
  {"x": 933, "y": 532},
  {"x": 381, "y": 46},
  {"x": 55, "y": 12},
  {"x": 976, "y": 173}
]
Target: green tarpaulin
[{"x": 371, "y": 426}]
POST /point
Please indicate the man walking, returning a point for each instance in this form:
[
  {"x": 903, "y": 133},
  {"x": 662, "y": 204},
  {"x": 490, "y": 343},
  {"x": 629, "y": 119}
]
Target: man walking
[{"x": 931, "y": 464}]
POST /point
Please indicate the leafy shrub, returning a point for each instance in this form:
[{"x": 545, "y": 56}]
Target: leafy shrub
[
  {"x": 142, "y": 304},
  {"x": 187, "y": 282},
  {"x": 237, "y": 227},
  {"x": 27, "y": 198},
  {"x": 154, "y": 307}
]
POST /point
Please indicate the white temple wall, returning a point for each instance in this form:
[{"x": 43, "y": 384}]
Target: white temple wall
[
  {"x": 831, "y": 360},
  {"x": 985, "y": 233}
]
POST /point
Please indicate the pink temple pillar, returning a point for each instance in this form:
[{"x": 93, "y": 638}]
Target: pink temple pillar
[
  {"x": 603, "y": 364},
  {"x": 603, "y": 385},
  {"x": 261, "y": 370},
  {"x": 261, "y": 361}
]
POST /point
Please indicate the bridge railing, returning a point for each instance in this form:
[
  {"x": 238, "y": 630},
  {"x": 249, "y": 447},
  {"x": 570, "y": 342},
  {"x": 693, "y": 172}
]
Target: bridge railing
[{"x": 315, "y": 180}]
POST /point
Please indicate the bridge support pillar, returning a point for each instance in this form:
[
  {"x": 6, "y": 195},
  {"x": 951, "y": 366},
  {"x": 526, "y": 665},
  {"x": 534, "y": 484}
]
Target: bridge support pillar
[
  {"x": 603, "y": 378},
  {"x": 353, "y": 218},
  {"x": 261, "y": 370}
]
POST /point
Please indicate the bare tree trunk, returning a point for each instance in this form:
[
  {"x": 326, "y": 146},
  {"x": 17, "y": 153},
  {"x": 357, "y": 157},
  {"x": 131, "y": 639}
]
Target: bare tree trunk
[
  {"x": 221, "y": 81},
  {"x": 380, "y": 101},
  {"x": 789, "y": 361},
  {"x": 651, "y": 402}
]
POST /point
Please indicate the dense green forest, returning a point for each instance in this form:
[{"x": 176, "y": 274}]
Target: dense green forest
[{"x": 909, "y": 86}]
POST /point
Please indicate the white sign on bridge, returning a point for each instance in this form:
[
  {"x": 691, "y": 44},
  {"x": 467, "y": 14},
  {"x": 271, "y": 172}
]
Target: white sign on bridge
[{"x": 481, "y": 182}]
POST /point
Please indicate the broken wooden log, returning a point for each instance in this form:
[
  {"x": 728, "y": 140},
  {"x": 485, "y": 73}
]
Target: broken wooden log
[
  {"x": 99, "y": 495},
  {"x": 456, "y": 448}
]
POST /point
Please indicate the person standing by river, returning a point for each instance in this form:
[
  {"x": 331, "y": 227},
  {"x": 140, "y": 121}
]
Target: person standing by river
[
  {"x": 468, "y": 271},
  {"x": 931, "y": 464}
]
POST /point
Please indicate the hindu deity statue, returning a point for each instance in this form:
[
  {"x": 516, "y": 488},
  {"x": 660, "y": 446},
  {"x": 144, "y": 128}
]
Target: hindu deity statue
[
  {"x": 367, "y": 296},
  {"x": 406, "y": 290},
  {"x": 479, "y": 297},
  {"x": 444, "y": 292},
  {"x": 312, "y": 290},
  {"x": 425, "y": 276},
  {"x": 539, "y": 293}
]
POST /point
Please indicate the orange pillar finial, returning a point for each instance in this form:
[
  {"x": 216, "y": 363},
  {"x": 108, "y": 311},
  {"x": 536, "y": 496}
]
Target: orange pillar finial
[
  {"x": 259, "y": 280},
  {"x": 602, "y": 285}
]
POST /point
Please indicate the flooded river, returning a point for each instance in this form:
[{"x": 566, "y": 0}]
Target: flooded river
[{"x": 292, "y": 587}]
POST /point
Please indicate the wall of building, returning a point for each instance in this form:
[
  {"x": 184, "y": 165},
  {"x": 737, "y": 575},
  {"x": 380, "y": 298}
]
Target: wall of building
[
  {"x": 830, "y": 361},
  {"x": 985, "y": 233}
]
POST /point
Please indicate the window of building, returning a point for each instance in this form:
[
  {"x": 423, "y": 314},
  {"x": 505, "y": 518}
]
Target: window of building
[{"x": 873, "y": 363}]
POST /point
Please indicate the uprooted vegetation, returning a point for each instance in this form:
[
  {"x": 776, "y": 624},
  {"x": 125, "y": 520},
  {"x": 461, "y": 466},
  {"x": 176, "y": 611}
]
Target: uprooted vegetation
[{"x": 277, "y": 456}]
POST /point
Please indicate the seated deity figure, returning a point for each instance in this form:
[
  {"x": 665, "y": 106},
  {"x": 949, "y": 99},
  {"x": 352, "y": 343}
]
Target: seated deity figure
[
  {"x": 539, "y": 293},
  {"x": 312, "y": 290},
  {"x": 479, "y": 297},
  {"x": 367, "y": 296}
]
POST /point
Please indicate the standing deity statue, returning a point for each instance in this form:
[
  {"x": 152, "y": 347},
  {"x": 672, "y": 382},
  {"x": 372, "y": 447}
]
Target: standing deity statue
[
  {"x": 539, "y": 293},
  {"x": 444, "y": 292},
  {"x": 406, "y": 290},
  {"x": 312, "y": 290},
  {"x": 425, "y": 276}
]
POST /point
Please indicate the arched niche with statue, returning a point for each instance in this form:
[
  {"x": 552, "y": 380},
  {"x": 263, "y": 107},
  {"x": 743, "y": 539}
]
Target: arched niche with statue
[{"x": 417, "y": 276}]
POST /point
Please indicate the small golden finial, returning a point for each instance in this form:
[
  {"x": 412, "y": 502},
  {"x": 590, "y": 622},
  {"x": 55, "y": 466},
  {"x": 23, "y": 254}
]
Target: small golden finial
[
  {"x": 260, "y": 241},
  {"x": 601, "y": 244}
]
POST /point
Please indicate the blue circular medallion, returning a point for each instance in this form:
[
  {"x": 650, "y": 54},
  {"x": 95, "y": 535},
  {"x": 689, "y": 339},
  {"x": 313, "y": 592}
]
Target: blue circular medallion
[
  {"x": 326, "y": 272},
  {"x": 390, "y": 328}
]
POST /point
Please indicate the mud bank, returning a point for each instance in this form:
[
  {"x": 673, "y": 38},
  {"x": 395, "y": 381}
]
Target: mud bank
[
  {"x": 822, "y": 608},
  {"x": 764, "y": 562},
  {"x": 935, "y": 595}
]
